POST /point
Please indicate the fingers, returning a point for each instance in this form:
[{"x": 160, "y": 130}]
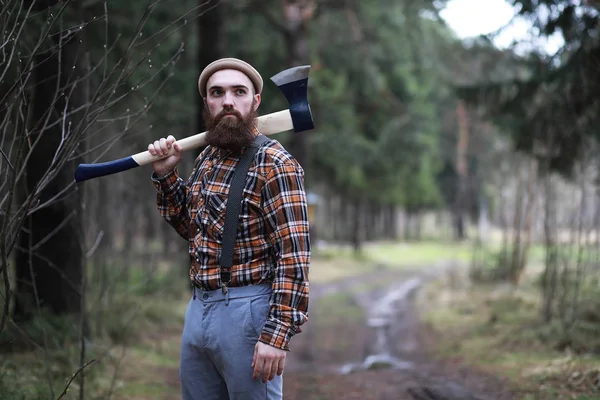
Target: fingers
[
  {"x": 151, "y": 149},
  {"x": 162, "y": 146},
  {"x": 267, "y": 374},
  {"x": 280, "y": 367},
  {"x": 274, "y": 369},
  {"x": 267, "y": 361},
  {"x": 258, "y": 366},
  {"x": 266, "y": 368},
  {"x": 263, "y": 367},
  {"x": 172, "y": 142},
  {"x": 256, "y": 363}
]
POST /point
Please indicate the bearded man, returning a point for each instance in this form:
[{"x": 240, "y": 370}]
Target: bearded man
[{"x": 236, "y": 335}]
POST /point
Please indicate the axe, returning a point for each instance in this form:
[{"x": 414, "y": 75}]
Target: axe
[{"x": 293, "y": 82}]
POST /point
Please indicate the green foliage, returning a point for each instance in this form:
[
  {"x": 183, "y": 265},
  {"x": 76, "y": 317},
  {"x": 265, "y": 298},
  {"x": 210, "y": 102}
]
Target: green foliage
[
  {"x": 37, "y": 374},
  {"x": 54, "y": 330},
  {"x": 548, "y": 103},
  {"x": 378, "y": 124},
  {"x": 11, "y": 387},
  {"x": 377, "y": 87},
  {"x": 145, "y": 43}
]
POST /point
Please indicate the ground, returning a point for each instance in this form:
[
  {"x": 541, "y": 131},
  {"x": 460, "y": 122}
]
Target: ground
[
  {"x": 377, "y": 330},
  {"x": 338, "y": 336}
]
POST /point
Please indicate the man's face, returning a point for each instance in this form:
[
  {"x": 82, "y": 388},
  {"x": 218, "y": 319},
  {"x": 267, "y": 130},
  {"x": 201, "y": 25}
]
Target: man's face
[
  {"x": 230, "y": 109},
  {"x": 229, "y": 89}
]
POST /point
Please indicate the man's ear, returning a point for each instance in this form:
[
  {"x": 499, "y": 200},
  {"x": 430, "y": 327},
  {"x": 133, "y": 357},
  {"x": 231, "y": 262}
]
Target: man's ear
[{"x": 257, "y": 99}]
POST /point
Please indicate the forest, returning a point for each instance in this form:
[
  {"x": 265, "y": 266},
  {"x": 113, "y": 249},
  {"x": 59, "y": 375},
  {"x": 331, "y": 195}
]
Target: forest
[{"x": 452, "y": 183}]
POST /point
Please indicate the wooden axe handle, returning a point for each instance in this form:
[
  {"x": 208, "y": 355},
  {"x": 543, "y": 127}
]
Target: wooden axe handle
[{"x": 269, "y": 124}]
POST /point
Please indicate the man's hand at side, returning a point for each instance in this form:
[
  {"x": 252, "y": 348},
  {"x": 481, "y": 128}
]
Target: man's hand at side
[{"x": 269, "y": 357}]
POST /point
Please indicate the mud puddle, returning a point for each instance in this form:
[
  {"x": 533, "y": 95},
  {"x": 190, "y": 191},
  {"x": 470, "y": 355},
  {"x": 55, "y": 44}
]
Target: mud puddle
[
  {"x": 383, "y": 346},
  {"x": 386, "y": 316}
]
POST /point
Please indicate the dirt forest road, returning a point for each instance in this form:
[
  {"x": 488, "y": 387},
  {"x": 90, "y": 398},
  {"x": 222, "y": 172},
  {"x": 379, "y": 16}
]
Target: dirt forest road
[
  {"x": 376, "y": 349},
  {"x": 364, "y": 342}
]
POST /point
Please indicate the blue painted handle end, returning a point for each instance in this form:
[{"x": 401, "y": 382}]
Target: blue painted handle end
[{"x": 85, "y": 172}]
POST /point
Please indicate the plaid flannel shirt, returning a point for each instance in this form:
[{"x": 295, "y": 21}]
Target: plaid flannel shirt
[{"x": 273, "y": 236}]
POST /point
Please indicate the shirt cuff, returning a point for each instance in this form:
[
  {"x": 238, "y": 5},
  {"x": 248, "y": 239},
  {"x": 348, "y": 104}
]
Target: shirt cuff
[
  {"x": 277, "y": 335},
  {"x": 167, "y": 183}
]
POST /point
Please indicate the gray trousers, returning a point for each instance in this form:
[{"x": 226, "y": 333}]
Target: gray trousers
[{"x": 217, "y": 345}]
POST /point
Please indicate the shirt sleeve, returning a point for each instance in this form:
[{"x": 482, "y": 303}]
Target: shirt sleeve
[
  {"x": 171, "y": 200},
  {"x": 172, "y": 195},
  {"x": 286, "y": 210}
]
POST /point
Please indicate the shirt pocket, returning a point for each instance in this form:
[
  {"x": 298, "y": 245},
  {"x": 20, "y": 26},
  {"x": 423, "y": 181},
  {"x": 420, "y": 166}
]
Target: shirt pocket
[
  {"x": 216, "y": 205},
  {"x": 251, "y": 209},
  {"x": 249, "y": 221}
]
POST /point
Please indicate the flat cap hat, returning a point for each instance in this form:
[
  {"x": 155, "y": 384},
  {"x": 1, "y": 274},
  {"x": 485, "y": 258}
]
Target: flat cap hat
[{"x": 230, "y": 63}]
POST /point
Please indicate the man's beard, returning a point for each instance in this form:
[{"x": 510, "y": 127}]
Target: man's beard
[{"x": 230, "y": 133}]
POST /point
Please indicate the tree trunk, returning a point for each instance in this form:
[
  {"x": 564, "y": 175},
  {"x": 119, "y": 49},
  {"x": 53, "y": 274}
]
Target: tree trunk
[
  {"x": 49, "y": 259},
  {"x": 461, "y": 172},
  {"x": 389, "y": 222},
  {"x": 211, "y": 44},
  {"x": 517, "y": 223},
  {"x": 407, "y": 226},
  {"x": 418, "y": 225},
  {"x": 526, "y": 242},
  {"x": 297, "y": 15},
  {"x": 550, "y": 274},
  {"x": 357, "y": 229},
  {"x": 483, "y": 222},
  {"x": 370, "y": 222}
]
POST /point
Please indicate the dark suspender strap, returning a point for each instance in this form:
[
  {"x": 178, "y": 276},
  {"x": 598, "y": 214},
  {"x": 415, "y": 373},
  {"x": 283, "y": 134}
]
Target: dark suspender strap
[{"x": 234, "y": 204}]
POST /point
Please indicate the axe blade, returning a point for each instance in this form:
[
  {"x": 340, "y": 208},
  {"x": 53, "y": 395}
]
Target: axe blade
[{"x": 293, "y": 82}]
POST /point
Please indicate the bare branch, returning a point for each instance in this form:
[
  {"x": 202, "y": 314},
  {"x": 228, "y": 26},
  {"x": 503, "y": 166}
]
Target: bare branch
[
  {"x": 7, "y": 159},
  {"x": 66, "y": 389},
  {"x": 4, "y": 270},
  {"x": 95, "y": 246}
]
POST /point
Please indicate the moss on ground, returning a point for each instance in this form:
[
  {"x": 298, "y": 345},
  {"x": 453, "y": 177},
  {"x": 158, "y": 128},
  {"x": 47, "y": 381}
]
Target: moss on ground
[{"x": 498, "y": 329}]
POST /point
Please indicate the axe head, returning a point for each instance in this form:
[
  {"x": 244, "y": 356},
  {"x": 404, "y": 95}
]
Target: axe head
[{"x": 293, "y": 82}]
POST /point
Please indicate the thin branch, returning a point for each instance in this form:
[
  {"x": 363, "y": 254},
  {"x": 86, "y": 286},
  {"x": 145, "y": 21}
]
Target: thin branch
[
  {"x": 4, "y": 267},
  {"x": 96, "y": 244},
  {"x": 54, "y": 231},
  {"x": 179, "y": 19},
  {"x": 7, "y": 160},
  {"x": 64, "y": 393}
]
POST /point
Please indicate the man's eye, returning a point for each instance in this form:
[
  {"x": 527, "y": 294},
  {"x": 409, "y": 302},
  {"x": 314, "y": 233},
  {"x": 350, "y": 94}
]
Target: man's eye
[{"x": 241, "y": 91}]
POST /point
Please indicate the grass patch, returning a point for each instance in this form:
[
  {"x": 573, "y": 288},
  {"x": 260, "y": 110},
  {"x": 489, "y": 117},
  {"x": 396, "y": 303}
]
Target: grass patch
[
  {"x": 334, "y": 263},
  {"x": 138, "y": 343},
  {"x": 136, "y": 327},
  {"x": 336, "y": 330},
  {"x": 417, "y": 254},
  {"x": 338, "y": 306},
  {"x": 498, "y": 329}
]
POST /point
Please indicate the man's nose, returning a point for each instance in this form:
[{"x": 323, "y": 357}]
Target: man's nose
[{"x": 228, "y": 100}]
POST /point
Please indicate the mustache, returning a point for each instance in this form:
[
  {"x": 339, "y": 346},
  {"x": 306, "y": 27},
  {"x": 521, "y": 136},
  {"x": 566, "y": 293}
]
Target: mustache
[{"x": 224, "y": 113}]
